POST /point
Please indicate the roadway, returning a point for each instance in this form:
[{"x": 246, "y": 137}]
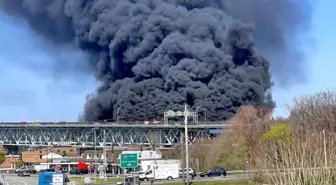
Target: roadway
[
  {"x": 15, "y": 180},
  {"x": 170, "y": 126}
]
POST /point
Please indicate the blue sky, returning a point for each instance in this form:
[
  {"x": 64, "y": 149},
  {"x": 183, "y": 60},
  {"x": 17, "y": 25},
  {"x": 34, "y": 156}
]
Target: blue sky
[
  {"x": 30, "y": 87},
  {"x": 32, "y": 90},
  {"x": 320, "y": 63}
]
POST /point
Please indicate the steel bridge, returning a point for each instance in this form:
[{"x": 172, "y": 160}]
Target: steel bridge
[{"x": 90, "y": 135}]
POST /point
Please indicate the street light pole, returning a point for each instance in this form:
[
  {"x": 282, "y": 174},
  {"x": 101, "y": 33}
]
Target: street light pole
[
  {"x": 197, "y": 114},
  {"x": 186, "y": 141},
  {"x": 105, "y": 160},
  {"x": 95, "y": 154},
  {"x": 205, "y": 114},
  {"x": 118, "y": 114},
  {"x": 205, "y": 118}
]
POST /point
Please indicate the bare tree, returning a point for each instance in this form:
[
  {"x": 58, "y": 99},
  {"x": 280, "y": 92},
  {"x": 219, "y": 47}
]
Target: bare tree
[
  {"x": 248, "y": 125},
  {"x": 154, "y": 140},
  {"x": 314, "y": 112}
]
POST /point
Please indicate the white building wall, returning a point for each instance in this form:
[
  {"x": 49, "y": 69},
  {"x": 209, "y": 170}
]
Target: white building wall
[{"x": 145, "y": 154}]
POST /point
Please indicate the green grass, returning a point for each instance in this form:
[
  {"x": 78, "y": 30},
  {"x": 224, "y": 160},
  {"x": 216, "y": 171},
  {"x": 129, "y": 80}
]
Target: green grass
[
  {"x": 233, "y": 182},
  {"x": 80, "y": 180}
]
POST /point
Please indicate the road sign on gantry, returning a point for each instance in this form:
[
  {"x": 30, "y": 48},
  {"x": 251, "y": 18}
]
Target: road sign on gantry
[{"x": 129, "y": 160}]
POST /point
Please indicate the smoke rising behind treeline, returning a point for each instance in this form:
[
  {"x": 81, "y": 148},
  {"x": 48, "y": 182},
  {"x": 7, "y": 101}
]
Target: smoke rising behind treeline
[{"x": 156, "y": 55}]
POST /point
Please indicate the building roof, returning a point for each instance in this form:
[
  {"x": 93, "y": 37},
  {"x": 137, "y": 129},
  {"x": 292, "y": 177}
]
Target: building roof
[{"x": 51, "y": 156}]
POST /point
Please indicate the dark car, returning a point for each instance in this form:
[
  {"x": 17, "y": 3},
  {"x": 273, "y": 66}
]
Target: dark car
[
  {"x": 214, "y": 172},
  {"x": 79, "y": 171},
  {"x": 23, "y": 173},
  {"x": 48, "y": 170}
]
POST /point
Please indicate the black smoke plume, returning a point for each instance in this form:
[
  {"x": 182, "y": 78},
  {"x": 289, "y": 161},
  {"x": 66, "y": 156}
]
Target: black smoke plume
[{"x": 156, "y": 55}]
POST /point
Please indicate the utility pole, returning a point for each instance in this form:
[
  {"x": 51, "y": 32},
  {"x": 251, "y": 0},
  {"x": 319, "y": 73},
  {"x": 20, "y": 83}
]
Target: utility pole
[
  {"x": 325, "y": 149},
  {"x": 95, "y": 155},
  {"x": 182, "y": 158},
  {"x": 105, "y": 160},
  {"x": 118, "y": 115},
  {"x": 48, "y": 155},
  {"x": 186, "y": 141},
  {"x": 197, "y": 113},
  {"x": 205, "y": 118}
]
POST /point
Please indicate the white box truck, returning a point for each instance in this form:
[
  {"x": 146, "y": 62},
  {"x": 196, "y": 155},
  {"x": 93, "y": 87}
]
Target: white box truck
[{"x": 160, "y": 170}]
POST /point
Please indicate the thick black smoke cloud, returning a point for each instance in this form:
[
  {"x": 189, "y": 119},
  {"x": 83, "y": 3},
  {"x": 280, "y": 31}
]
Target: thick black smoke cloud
[{"x": 156, "y": 55}]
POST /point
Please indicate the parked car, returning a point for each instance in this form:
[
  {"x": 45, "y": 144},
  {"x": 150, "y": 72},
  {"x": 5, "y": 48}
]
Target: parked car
[
  {"x": 24, "y": 168},
  {"x": 47, "y": 170},
  {"x": 214, "y": 172},
  {"x": 79, "y": 171},
  {"x": 23, "y": 173}
]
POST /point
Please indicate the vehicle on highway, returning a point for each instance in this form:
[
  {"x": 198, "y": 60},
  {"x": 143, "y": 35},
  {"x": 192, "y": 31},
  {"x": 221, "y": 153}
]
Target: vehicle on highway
[
  {"x": 133, "y": 176},
  {"x": 191, "y": 173},
  {"x": 161, "y": 170},
  {"x": 24, "y": 173},
  {"x": 214, "y": 172},
  {"x": 79, "y": 171},
  {"x": 47, "y": 170}
]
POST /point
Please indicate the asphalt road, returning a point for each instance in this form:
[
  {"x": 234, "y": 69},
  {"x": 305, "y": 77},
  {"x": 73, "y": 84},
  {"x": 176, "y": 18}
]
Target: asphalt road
[{"x": 15, "y": 180}]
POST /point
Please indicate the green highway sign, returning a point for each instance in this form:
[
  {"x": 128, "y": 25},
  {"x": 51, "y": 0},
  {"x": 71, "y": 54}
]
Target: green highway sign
[{"x": 129, "y": 160}]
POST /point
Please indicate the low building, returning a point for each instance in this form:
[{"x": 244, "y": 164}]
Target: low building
[
  {"x": 41, "y": 155},
  {"x": 145, "y": 154},
  {"x": 10, "y": 162},
  {"x": 67, "y": 158}
]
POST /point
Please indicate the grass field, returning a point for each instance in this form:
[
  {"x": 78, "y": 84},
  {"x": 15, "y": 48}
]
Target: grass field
[
  {"x": 233, "y": 182},
  {"x": 80, "y": 180}
]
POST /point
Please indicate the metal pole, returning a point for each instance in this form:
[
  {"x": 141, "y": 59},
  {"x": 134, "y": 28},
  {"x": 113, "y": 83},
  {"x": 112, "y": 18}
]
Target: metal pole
[
  {"x": 182, "y": 159},
  {"x": 205, "y": 119},
  {"x": 124, "y": 176},
  {"x": 197, "y": 114},
  {"x": 105, "y": 160},
  {"x": 47, "y": 156},
  {"x": 134, "y": 176},
  {"x": 118, "y": 115},
  {"x": 95, "y": 156},
  {"x": 186, "y": 141}
]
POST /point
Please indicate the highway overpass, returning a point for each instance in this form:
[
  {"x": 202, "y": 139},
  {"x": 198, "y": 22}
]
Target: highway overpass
[{"x": 90, "y": 135}]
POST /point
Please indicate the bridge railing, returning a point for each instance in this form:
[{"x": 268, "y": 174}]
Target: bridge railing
[{"x": 116, "y": 123}]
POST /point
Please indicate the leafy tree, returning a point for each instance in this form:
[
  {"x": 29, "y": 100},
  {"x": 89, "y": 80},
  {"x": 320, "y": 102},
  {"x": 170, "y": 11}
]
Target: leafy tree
[
  {"x": 280, "y": 135},
  {"x": 2, "y": 158},
  {"x": 277, "y": 142},
  {"x": 19, "y": 163}
]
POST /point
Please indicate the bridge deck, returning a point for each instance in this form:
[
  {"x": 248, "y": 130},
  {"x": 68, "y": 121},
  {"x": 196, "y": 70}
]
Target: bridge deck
[
  {"x": 70, "y": 134},
  {"x": 111, "y": 126}
]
